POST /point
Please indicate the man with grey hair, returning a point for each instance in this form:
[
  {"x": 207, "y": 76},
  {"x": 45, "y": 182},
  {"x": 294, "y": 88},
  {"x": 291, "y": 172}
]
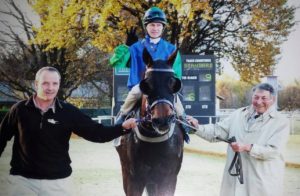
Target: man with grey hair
[
  {"x": 255, "y": 163},
  {"x": 42, "y": 127}
]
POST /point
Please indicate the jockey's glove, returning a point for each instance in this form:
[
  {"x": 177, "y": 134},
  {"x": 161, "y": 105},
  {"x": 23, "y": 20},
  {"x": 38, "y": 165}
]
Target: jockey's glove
[{"x": 131, "y": 36}]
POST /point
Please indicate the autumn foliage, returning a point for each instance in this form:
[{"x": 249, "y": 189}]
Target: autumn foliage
[{"x": 247, "y": 32}]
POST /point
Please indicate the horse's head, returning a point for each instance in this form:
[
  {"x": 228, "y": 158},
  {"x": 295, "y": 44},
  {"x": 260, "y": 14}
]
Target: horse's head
[{"x": 160, "y": 85}]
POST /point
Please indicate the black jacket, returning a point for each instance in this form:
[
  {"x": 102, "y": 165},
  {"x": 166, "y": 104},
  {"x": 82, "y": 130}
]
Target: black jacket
[{"x": 41, "y": 143}]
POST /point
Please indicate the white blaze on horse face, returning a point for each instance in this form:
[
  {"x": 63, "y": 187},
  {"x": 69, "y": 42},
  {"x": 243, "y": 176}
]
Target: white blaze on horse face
[{"x": 161, "y": 110}]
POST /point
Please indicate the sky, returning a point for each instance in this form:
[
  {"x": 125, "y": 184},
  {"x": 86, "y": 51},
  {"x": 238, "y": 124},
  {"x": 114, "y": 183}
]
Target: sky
[{"x": 288, "y": 68}]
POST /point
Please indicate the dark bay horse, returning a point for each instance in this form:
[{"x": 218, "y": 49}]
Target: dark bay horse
[{"x": 151, "y": 156}]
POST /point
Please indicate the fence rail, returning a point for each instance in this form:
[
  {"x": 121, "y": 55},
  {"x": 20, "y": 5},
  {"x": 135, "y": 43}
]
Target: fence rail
[{"x": 294, "y": 118}]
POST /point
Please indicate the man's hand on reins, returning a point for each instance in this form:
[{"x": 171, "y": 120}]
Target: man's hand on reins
[
  {"x": 129, "y": 124},
  {"x": 239, "y": 147}
]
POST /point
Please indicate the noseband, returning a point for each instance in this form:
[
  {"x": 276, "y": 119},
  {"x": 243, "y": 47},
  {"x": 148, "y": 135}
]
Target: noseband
[
  {"x": 160, "y": 135},
  {"x": 158, "y": 122}
]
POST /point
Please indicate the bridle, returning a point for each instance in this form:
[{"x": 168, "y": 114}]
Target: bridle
[
  {"x": 235, "y": 163},
  {"x": 169, "y": 121},
  {"x": 160, "y": 135}
]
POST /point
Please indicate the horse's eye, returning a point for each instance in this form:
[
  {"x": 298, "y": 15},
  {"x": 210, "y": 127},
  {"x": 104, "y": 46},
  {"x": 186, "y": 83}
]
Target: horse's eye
[
  {"x": 174, "y": 84},
  {"x": 146, "y": 86},
  {"x": 171, "y": 83},
  {"x": 149, "y": 84}
]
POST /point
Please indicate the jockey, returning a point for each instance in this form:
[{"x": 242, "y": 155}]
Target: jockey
[{"x": 154, "y": 23}]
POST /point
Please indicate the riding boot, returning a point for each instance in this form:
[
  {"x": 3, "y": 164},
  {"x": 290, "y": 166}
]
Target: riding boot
[
  {"x": 121, "y": 117},
  {"x": 181, "y": 115},
  {"x": 185, "y": 124},
  {"x": 133, "y": 96}
]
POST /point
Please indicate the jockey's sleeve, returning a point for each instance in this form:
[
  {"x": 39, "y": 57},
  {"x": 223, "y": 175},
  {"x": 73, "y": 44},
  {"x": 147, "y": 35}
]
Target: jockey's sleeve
[
  {"x": 177, "y": 66},
  {"x": 120, "y": 57}
]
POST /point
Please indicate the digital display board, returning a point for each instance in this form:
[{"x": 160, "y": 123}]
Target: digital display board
[
  {"x": 195, "y": 63},
  {"x": 198, "y": 91},
  {"x": 197, "y": 95}
]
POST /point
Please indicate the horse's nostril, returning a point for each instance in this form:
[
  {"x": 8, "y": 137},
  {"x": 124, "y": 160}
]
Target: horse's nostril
[{"x": 162, "y": 123}]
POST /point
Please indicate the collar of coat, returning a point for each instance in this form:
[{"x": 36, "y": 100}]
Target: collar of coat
[
  {"x": 30, "y": 102},
  {"x": 249, "y": 110}
]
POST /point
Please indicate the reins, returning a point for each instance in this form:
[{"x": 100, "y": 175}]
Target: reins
[
  {"x": 236, "y": 162},
  {"x": 186, "y": 124}
]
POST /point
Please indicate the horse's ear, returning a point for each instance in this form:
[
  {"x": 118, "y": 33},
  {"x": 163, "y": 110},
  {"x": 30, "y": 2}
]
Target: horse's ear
[
  {"x": 147, "y": 58},
  {"x": 174, "y": 84},
  {"x": 145, "y": 87},
  {"x": 172, "y": 58}
]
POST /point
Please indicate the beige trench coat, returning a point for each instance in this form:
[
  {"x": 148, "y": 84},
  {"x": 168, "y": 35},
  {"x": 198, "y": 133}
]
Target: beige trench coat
[{"x": 263, "y": 166}]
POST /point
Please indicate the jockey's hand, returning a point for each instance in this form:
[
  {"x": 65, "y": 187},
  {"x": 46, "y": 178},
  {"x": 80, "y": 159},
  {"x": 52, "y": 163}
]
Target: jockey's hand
[
  {"x": 131, "y": 36},
  {"x": 129, "y": 124}
]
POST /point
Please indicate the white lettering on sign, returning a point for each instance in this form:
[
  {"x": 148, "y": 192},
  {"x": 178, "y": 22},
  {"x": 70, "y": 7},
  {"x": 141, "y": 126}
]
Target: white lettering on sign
[
  {"x": 190, "y": 60},
  {"x": 188, "y": 106},
  {"x": 189, "y": 77},
  {"x": 202, "y": 60},
  {"x": 204, "y": 106},
  {"x": 192, "y": 77},
  {"x": 197, "y": 60}
]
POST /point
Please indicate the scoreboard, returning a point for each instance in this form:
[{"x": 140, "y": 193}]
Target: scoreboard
[{"x": 198, "y": 94}]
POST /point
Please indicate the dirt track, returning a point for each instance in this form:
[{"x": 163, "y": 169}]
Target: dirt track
[{"x": 97, "y": 172}]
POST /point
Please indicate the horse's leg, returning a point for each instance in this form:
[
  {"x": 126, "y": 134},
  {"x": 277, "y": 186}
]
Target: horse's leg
[
  {"x": 135, "y": 187},
  {"x": 151, "y": 189},
  {"x": 122, "y": 151},
  {"x": 131, "y": 187},
  {"x": 167, "y": 187},
  {"x": 163, "y": 189}
]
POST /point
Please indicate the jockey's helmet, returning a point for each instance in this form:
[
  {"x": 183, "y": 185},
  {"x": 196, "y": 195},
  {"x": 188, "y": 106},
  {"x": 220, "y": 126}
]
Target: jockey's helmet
[{"x": 154, "y": 14}]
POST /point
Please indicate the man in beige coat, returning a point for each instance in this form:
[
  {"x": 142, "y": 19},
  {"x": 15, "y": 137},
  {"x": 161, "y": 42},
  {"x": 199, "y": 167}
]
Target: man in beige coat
[{"x": 261, "y": 134}]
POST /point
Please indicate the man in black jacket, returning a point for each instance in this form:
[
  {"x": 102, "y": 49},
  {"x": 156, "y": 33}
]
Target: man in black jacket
[{"x": 42, "y": 127}]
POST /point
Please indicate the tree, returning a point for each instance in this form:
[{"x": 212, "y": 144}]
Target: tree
[
  {"x": 247, "y": 32},
  {"x": 20, "y": 58},
  {"x": 288, "y": 98},
  {"x": 236, "y": 94}
]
